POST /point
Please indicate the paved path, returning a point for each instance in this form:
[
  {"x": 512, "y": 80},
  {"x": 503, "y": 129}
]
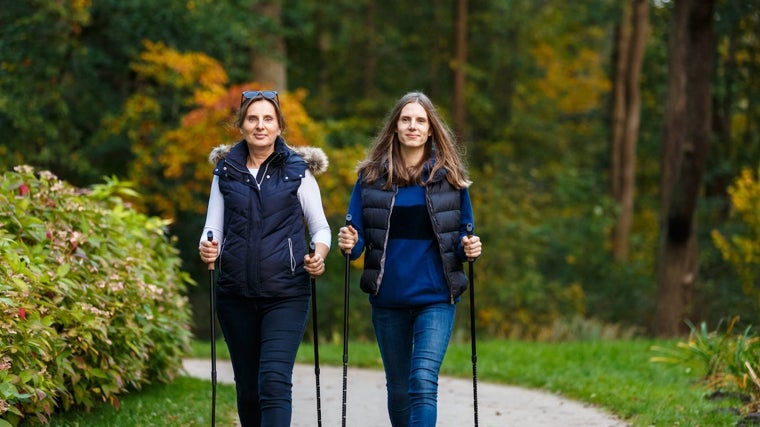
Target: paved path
[{"x": 498, "y": 405}]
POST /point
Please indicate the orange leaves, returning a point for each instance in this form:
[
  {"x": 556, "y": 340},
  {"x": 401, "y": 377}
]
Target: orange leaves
[{"x": 302, "y": 129}]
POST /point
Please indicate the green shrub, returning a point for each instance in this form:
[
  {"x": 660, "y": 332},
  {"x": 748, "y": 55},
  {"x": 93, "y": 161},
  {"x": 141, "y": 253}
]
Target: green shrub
[{"x": 91, "y": 302}]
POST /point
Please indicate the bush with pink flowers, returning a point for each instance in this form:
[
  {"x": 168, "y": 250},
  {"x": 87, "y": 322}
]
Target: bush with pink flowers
[{"x": 91, "y": 297}]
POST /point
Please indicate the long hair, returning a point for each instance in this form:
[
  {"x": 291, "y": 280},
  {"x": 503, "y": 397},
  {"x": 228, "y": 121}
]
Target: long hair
[{"x": 384, "y": 157}]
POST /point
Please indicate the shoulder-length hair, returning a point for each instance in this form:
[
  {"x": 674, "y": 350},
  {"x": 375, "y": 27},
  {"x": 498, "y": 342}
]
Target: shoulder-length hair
[{"x": 441, "y": 146}]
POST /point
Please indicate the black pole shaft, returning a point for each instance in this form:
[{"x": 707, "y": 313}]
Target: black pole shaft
[
  {"x": 212, "y": 302},
  {"x": 345, "y": 328},
  {"x": 316, "y": 339},
  {"x": 473, "y": 340}
]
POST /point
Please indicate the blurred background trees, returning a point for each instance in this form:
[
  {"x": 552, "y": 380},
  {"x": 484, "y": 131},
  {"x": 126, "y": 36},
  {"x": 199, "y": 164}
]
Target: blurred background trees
[{"x": 612, "y": 143}]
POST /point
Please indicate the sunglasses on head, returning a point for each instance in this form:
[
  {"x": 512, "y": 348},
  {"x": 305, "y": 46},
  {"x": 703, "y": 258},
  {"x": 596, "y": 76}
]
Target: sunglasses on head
[{"x": 268, "y": 94}]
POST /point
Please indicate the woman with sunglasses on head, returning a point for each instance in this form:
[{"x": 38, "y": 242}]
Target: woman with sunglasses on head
[
  {"x": 263, "y": 194},
  {"x": 410, "y": 209}
]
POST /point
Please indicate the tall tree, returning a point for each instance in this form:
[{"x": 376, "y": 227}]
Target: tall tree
[
  {"x": 626, "y": 117},
  {"x": 687, "y": 131},
  {"x": 268, "y": 64}
]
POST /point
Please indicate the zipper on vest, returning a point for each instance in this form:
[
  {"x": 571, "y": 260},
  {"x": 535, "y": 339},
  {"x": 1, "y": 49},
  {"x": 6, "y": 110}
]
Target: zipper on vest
[
  {"x": 385, "y": 242},
  {"x": 292, "y": 258}
]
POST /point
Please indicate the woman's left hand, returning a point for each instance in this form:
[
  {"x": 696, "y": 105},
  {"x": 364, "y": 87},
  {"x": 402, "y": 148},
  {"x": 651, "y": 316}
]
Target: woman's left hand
[
  {"x": 314, "y": 264},
  {"x": 472, "y": 246}
]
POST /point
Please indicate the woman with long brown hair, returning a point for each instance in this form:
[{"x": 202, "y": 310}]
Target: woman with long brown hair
[{"x": 410, "y": 210}]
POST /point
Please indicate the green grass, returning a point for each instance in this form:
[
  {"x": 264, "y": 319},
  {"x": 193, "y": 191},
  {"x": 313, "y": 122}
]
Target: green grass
[
  {"x": 186, "y": 402},
  {"x": 614, "y": 375}
]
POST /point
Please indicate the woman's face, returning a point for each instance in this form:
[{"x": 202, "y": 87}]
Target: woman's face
[
  {"x": 413, "y": 126},
  {"x": 260, "y": 126}
]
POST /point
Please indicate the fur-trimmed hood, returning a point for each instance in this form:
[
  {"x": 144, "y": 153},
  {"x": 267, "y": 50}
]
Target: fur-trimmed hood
[{"x": 314, "y": 157}]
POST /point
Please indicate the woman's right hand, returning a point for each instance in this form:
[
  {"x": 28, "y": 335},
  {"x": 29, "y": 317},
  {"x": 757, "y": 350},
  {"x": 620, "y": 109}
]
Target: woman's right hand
[
  {"x": 208, "y": 251},
  {"x": 347, "y": 238}
]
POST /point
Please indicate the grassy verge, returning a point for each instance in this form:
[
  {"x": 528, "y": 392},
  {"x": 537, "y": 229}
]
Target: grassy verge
[
  {"x": 185, "y": 402},
  {"x": 614, "y": 375}
]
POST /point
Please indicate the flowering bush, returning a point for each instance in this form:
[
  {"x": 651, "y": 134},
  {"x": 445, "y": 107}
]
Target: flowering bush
[{"x": 91, "y": 297}]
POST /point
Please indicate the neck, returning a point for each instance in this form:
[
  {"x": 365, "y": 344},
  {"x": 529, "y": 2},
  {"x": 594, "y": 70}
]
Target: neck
[
  {"x": 412, "y": 157},
  {"x": 257, "y": 157}
]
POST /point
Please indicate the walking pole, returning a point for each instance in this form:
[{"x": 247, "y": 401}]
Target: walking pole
[
  {"x": 210, "y": 237},
  {"x": 472, "y": 334},
  {"x": 345, "y": 328},
  {"x": 316, "y": 339}
]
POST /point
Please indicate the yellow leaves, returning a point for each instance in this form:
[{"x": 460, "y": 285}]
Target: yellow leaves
[
  {"x": 742, "y": 250},
  {"x": 196, "y": 71},
  {"x": 745, "y": 197},
  {"x": 336, "y": 184},
  {"x": 574, "y": 81}
]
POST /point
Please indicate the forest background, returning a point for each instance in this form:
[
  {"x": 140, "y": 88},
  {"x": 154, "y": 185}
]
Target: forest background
[{"x": 613, "y": 144}]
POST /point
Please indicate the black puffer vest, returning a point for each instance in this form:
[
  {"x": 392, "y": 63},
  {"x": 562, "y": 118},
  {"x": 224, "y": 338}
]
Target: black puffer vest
[
  {"x": 264, "y": 234},
  {"x": 443, "y": 205}
]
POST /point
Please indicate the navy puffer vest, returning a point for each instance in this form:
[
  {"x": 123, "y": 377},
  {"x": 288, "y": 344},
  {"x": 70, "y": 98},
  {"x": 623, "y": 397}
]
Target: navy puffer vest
[
  {"x": 443, "y": 205},
  {"x": 264, "y": 233}
]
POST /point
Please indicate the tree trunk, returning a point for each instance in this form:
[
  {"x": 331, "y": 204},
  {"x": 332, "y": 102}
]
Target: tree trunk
[
  {"x": 685, "y": 144},
  {"x": 622, "y": 46},
  {"x": 460, "y": 64},
  {"x": 268, "y": 64},
  {"x": 631, "y": 44},
  {"x": 324, "y": 44}
]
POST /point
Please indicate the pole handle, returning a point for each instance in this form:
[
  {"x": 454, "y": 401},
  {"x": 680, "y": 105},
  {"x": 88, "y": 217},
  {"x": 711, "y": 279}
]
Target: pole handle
[
  {"x": 469, "y": 234},
  {"x": 210, "y": 237},
  {"x": 347, "y": 223},
  {"x": 312, "y": 251}
]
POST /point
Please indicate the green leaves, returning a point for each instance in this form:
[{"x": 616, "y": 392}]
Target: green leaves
[{"x": 92, "y": 296}]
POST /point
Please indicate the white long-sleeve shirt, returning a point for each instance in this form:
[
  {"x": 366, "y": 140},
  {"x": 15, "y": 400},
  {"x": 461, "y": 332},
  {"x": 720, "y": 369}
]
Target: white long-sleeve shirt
[{"x": 308, "y": 195}]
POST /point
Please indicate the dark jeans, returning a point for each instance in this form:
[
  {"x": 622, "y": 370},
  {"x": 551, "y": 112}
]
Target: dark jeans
[
  {"x": 263, "y": 335},
  {"x": 412, "y": 344}
]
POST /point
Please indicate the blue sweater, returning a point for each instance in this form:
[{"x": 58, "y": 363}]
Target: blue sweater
[{"x": 413, "y": 269}]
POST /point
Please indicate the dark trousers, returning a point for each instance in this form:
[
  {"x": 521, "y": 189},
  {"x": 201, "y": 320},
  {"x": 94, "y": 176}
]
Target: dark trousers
[{"x": 263, "y": 335}]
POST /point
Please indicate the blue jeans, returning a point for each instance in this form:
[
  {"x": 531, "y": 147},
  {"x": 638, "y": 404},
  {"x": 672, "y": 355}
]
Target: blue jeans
[
  {"x": 412, "y": 343},
  {"x": 263, "y": 335}
]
